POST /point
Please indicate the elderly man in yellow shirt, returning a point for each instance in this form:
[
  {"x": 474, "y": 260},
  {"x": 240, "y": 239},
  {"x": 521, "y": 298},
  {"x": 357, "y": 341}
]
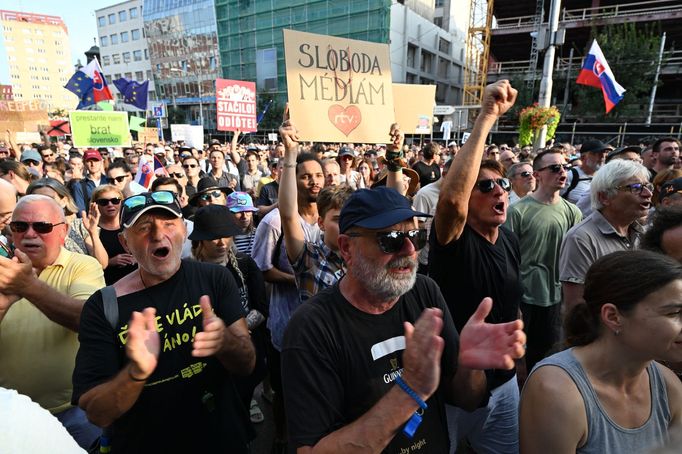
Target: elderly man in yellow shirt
[{"x": 42, "y": 292}]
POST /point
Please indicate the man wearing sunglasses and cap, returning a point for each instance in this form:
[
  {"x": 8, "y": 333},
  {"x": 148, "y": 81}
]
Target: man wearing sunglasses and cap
[
  {"x": 540, "y": 221},
  {"x": 370, "y": 361},
  {"x": 158, "y": 373},
  {"x": 42, "y": 291},
  {"x": 472, "y": 257}
]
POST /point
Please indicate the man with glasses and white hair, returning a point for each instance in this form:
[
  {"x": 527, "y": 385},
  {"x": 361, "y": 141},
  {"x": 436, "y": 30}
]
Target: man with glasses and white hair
[
  {"x": 472, "y": 256},
  {"x": 369, "y": 363},
  {"x": 157, "y": 358},
  {"x": 540, "y": 221},
  {"x": 621, "y": 195},
  {"x": 42, "y": 292},
  {"x": 522, "y": 181}
]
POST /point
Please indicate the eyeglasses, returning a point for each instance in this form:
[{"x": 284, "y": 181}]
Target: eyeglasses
[
  {"x": 138, "y": 202},
  {"x": 488, "y": 185},
  {"x": 31, "y": 162},
  {"x": 118, "y": 179},
  {"x": 524, "y": 174},
  {"x": 177, "y": 175},
  {"x": 48, "y": 155},
  {"x": 393, "y": 241},
  {"x": 555, "y": 168},
  {"x": 637, "y": 188},
  {"x": 105, "y": 202},
  {"x": 190, "y": 166},
  {"x": 38, "y": 227},
  {"x": 210, "y": 195}
]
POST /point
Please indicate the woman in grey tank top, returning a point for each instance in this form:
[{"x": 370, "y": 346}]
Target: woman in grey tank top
[{"x": 606, "y": 394}]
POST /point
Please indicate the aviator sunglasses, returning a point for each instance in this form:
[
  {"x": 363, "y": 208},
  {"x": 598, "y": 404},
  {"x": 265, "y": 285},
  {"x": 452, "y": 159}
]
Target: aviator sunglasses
[
  {"x": 393, "y": 241},
  {"x": 138, "y": 202},
  {"x": 38, "y": 227},
  {"x": 556, "y": 168},
  {"x": 488, "y": 185}
]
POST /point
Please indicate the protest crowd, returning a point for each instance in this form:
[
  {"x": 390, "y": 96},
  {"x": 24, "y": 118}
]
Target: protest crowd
[{"x": 448, "y": 297}]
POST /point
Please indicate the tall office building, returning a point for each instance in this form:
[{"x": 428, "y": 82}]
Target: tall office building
[
  {"x": 35, "y": 58},
  {"x": 183, "y": 48},
  {"x": 123, "y": 46}
]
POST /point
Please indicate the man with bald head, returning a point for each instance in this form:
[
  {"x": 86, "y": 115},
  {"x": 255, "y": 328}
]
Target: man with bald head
[
  {"x": 42, "y": 292},
  {"x": 8, "y": 200}
]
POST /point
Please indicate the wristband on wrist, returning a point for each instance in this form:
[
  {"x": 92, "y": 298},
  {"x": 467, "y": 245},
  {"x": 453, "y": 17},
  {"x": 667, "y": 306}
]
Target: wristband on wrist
[
  {"x": 133, "y": 378},
  {"x": 289, "y": 166},
  {"x": 415, "y": 420}
]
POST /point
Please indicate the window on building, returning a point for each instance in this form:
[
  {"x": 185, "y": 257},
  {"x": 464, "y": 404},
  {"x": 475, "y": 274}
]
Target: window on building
[
  {"x": 149, "y": 74},
  {"x": 125, "y": 37},
  {"x": 135, "y": 34},
  {"x": 146, "y": 54},
  {"x": 139, "y": 76},
  {"x": 266, "y": 69},
  {"x": 122, "y": 16},
  {"x": 128, "y": 75},
  {"x": 439, "y": 3},
  {"x": 426, "y": 62},
  {"x": 106, "y": 60},
  {"x": 133, "y": 13},
  {"x": 137, "y": 55},
  {"x": 114, "y": 39},
  {"x": 126, "y": 57},
  {"x": 104, "y": 41},
  {"x": 438, "y": 22},
  {"x": 444, "y": 45},
  {"x": 112, "y": 19},
  {"x": 443, "y": 66},
  {"x": 101, "y": 21},
  {"x": 411, "y": 54},
  {"x": 116, "y": 58}
]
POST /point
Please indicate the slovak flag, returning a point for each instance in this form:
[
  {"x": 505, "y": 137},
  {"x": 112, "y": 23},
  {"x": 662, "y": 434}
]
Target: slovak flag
[
  {"x": 148, "y": 171},
  {"x": 89, "y": 84},
  {"x": 596, "y": 73}
]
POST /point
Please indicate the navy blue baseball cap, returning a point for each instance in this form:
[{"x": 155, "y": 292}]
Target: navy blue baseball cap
[{"x": 376, "y": 208}]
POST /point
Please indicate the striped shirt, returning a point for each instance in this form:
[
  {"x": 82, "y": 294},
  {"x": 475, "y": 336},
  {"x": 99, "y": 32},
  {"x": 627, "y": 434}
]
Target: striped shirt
[{"x": 244, "y": 243}]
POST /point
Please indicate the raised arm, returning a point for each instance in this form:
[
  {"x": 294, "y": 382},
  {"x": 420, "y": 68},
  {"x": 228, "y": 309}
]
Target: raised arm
[
  {"x": 453, "y": 203},
  {"x": 294, "y": 238},
  {"x": 93, "y": 242},
  {"x": 236, "y": 157}
]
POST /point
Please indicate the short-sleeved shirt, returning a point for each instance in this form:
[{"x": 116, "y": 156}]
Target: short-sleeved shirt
[
  {"x": 428, "y": 173},
  {"x": 317, "y": 268},
  {"x": 471, "y": 268},
  {"x": 593, "y": 238},
  {"x": 338, "y": 361},
  {"x": 540, "y": 229},
  {"x": 269, "y": 194},
  {"x": 188, "y": 404},
  {"x": 284, "y": 298},
  {"x": 583, "y": 186},
  {"x": 37, "y": 355},
  {"x": 425, "y": 201}
]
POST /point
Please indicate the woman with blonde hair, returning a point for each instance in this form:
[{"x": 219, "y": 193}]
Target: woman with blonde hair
[{"x": 83, "y": 235}]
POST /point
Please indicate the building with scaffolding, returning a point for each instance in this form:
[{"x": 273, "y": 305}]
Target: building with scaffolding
[{"x": 515, "y": 54}]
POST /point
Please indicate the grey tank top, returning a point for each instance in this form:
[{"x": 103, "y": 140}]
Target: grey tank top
[{"x": 604, "y": 436}]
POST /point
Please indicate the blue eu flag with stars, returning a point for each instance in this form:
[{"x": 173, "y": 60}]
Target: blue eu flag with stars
[
  {"x": 134, "y": 93},
  {"x": 81, "y": 85}
]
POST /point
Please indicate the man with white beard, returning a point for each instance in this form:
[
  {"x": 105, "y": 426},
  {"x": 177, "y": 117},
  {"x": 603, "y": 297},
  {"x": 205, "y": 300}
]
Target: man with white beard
[{"x": 379, "y": 348}]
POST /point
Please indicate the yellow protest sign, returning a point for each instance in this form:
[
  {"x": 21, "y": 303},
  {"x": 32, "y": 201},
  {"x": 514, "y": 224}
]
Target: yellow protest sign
[
  {"x": 90, "y": 128},
  {"x": 339, "y": 89},
  {"x": 148, "y": 135},
  {"x": 413, "y": 106}
]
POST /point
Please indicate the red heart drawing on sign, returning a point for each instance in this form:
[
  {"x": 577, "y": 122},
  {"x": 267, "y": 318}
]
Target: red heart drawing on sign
[{"x": 345, "y": 119}]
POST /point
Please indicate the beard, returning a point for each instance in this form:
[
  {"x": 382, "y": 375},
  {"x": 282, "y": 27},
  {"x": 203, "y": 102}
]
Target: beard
[{"x": 379, "y": 281}]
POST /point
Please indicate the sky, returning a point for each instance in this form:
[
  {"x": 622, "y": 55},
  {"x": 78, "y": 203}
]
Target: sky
[{"x": 79, "y": 18}]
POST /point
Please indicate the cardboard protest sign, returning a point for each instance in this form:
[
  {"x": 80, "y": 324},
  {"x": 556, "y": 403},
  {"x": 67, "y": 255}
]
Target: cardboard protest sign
[
  {"x": 339, "y": 89},
  {"x": 236, "y": 105},
  {"x": 148, "y": 135},
  {"x": 413, "y": 106},
  {"x": 192, "y": 135},
  {"x": 23, "y": 115},
  {"x": 99, "y": 129},
  {"x": 59, "y": 128}
]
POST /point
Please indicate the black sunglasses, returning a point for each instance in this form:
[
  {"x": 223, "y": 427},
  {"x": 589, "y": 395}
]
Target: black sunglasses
[
  {"x": 117, "y": 179},
  {"x": 210, "y": 195},
  {"x": 38, "y": 227},
  {"x": 488, "y": 185},
  {"x": 189, "y": 166},
  {"x": 138, "y": 202},
  {"x": 177, "y": 175},
  {"x": 31, "y": 162},
  {"x": 525, "y": 174},
  {"x": 105, "y": 202},
  {"x": 556, "y": 168},
  {"x": 393, "y": 241}
]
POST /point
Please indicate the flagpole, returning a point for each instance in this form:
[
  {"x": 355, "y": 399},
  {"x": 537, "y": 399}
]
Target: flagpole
[
  {"x": 653, "y": 89},
  {"x": 545, "y": 95}
]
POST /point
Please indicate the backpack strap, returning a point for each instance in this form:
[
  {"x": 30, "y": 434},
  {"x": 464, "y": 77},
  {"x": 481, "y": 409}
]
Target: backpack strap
[
  {"x": 575, "y": 179},
  {"x": 110, "y": 303}
]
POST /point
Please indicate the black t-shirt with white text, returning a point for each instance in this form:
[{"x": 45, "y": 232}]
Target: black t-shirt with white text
[
  {"x": 338, "y": 361},
  {"x": 188, "y": 404}
]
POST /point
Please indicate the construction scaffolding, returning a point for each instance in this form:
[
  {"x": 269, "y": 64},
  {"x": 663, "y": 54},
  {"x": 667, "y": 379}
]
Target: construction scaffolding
[{"x": 477, "y": 51}]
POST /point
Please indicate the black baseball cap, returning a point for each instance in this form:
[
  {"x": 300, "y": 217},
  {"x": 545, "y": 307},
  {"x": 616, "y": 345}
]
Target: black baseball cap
[
  {"x": 670, "y": 187},
  {"x": 376, "y": 208},
  {"x": 135, "y": 206},
  {"x": 594, "y": 146},
  {"x": 629, "y": 148}
]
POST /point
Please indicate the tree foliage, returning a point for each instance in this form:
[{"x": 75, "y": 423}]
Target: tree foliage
[{"x": 632, "y": 54}]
